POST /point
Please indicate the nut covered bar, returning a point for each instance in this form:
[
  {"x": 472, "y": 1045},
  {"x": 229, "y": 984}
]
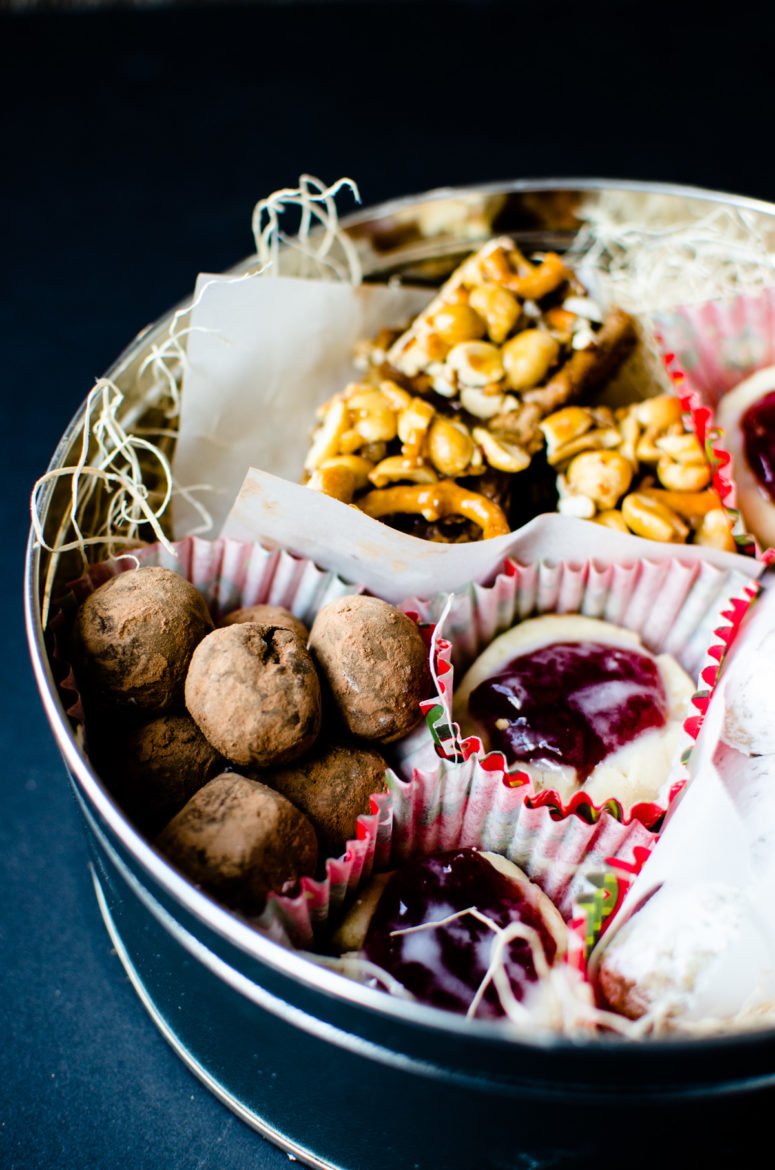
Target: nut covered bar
[
  {"x": 638, "y": 470},
  {"x": 451, "y": 410}
]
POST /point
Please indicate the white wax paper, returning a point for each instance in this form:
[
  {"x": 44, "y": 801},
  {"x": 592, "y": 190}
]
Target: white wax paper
[
  {"x": 394, "y": 565},
  {"x": 263, "y": 353},
  {"x": 720, "y": 835}
]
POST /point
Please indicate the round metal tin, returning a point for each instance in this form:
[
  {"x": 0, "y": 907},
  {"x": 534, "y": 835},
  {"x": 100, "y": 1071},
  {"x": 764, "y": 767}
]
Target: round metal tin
[{"x": 338, "y": 1074}]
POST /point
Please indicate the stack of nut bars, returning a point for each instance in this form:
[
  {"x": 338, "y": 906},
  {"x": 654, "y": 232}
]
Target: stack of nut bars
[{"x": 482, "y": 414}]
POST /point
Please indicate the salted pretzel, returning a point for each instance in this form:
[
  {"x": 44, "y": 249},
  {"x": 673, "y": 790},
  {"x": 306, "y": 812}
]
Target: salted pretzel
[{"x": 435, "y": 502}]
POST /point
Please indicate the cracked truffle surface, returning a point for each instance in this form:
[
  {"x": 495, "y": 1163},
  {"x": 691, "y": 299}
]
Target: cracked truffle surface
[
  {"x": 375, "y": 663},
  {"x": 134, "y": 638},
  {"x": 238, "y": 840},
  {"x": 332, "y": 786},
  {"x": 254, "y": 693}
]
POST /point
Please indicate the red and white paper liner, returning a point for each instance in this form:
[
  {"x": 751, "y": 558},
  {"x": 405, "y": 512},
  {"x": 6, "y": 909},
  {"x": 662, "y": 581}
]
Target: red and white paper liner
[
  {"x": 708, "y": 349},
  {"x": 721, "y": 342},
  {"x": 480, "y": 804},
  {"x": 584, "y": 858},
  {"x": 690, "y": 610},
  {"x": 232, "y": 575}
]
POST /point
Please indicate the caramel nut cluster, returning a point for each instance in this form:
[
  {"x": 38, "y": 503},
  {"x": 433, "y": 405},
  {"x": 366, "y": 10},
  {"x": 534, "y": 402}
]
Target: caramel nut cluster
[
  {"x": 460, "y": 395},
  {"x": 638, "y": 470}
]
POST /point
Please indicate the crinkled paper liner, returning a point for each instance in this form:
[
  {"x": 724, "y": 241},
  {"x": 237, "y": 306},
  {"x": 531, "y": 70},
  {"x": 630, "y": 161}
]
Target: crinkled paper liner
[
  {"x": 708, "y": 349},
  {"x": 691, "y": 610},
  {"x": 232, "y": 575},
  {"x": 467, "y": 798},
  {"x": 719, "y": 343},
  {"x": 581, "y": 856}
]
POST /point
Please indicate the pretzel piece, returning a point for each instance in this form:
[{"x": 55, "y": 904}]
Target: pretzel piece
[{"x": 434, "y": 502}]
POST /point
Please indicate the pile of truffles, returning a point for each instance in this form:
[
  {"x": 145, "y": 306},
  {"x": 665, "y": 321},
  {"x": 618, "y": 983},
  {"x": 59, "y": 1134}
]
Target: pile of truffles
[{"x": 174, "y": 707}]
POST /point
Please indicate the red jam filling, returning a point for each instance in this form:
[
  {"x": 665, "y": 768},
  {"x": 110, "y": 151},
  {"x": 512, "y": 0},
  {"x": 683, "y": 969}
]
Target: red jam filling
[
  {"x": 571, "y": 703},
  {"x": 445, "y": 965},
  {"x": 758, "y": 427}
]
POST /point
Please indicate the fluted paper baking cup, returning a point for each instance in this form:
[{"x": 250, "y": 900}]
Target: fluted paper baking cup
[
  {"x": 480, "y": 804},
  {"x": 708, "y": 349},
  {"x": 721, "y": 342},
  {"x": 690, "y": 610},
  {"x": 232, "y": 575},
  {"x": 579, "y": 855}
]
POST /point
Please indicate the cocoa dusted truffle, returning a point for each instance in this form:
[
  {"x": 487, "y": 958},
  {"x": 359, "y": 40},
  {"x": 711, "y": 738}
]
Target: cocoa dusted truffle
[
  {"x": 332, "y": 786},
  {"x": 238, "y": 840},
  {"x": 268, "y": 615},
  {"x": 375, "y": 663},
  {"x": 134, "y": 637},
  {"x": 161, "y": 765},
  {"x": 254, "y": 694}
]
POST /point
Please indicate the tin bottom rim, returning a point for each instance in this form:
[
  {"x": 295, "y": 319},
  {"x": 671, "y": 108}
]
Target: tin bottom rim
[{"x": 238, "y": 1107}]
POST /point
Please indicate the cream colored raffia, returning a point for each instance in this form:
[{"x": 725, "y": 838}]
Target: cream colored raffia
[{"x": 118, "y": 455}]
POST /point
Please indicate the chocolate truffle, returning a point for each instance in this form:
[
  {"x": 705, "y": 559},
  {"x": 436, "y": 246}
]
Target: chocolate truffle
[
  {"x": 375, "y": 663},
  {"x": 238, "y": 840},
  {"x": 332, "y": 786},
  {"x": 134, "y": 637},
  {"x": 254, "y": 694},
  {"x": 269, "y": 615},
  {"x": 160, "y": 766}
]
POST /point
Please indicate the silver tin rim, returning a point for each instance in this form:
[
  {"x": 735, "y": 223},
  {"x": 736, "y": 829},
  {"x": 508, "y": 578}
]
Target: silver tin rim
[{"x": 287, "y": 962}]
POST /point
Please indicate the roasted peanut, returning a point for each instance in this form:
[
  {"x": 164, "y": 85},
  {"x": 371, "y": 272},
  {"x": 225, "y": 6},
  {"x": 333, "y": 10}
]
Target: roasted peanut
[
  {"x": 600, "y": 439},
  {"x": 483, "y": 405},
  {"x": 455, "y": 323},
  {"x": 450, "y": 447},
  {"x": 528, "y": 357},
  {"x": 325, "y": 441},
  {"x": 499, "y": 454},
  {"x": 355, "y": 465},
  {"x": 564, "y": 425},
  {"x": 413, "y": 423},
  {"x": 715, "y": 531},
  {"x": 691, "y": 506},
  {"x": 498, "y": 307},
  {"x": 683, "y": 477},
  {"x": 579, "y": 506},
  {"x": 494, "y": 265},
  {"x": 350, "y": 441},
  {"x": 657, "y": 414},
  {"x": 396, "y": 397},
  {"x": 649, "y": 518},
  {"x": 372, "y": 417},
  {"x": 337, "y": 482},
  {"x": 611, "y": 518},
  {"x": 602, "y": 476},
  {"x": 683, "y": 448},
  {"x": 630, "y": 431},
  {"x": 397, "y": 468},
  {"x": 476, "y": 363}
]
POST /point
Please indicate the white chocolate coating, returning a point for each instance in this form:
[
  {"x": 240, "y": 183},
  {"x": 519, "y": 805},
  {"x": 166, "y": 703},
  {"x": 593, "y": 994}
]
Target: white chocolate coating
[{"x": 690, "y": 956}]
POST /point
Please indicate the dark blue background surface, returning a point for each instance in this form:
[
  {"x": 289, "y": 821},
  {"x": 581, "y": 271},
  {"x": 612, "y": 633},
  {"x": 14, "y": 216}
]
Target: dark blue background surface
[{"x": 133, "y": 147}]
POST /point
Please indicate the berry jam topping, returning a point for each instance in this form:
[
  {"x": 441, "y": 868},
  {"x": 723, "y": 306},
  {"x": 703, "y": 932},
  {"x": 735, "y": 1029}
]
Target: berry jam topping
[
  {"x": 572, "y": 703},
  {"x": 758, "y": 427},
  {"x": 445, "y": 965}
]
